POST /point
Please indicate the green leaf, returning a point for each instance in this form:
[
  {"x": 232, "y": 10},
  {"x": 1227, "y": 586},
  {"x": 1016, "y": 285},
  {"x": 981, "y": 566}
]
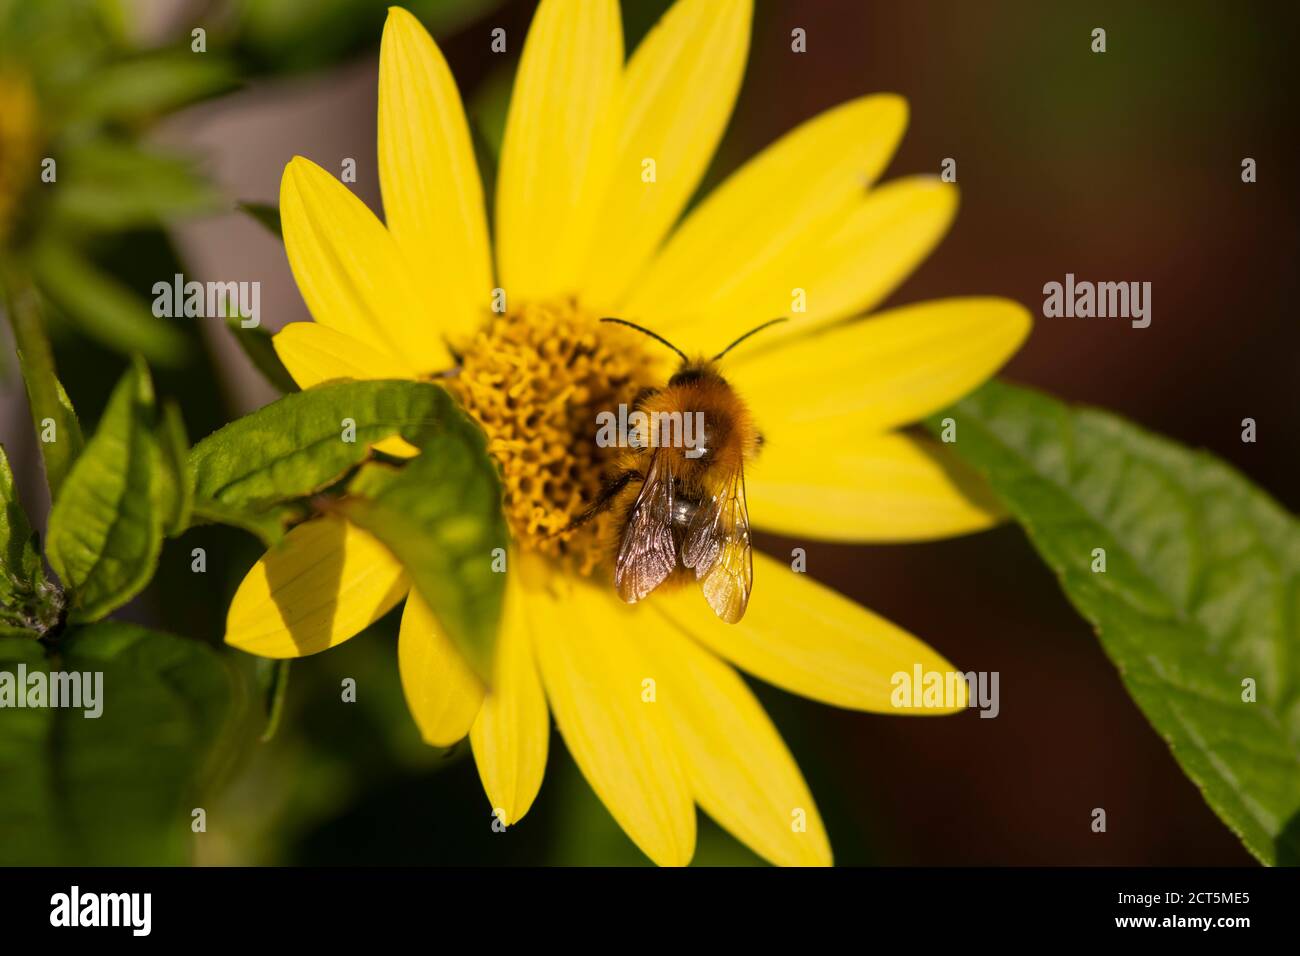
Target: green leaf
[
  {"x": 29, "y": 605},
  {"x": 106, "y": 526},
  {"x": 67, "y": 424},
  {"x": 1201, "y": 589},
  {"x": 441, "y": 516},
  {"x": 117, "y": 789},
  {"x": 105, "y": 310},
  {"x": 297, "y": 446},
  {"x": 57, "y": 429},
  {"x": 152, "y": 83},
  {"x": 175, "y": 480},
  {"x": 266, "y": 214},
  {"x": 269, "y": 524},
  {"x": 256, "y": 343},
  {"x": 18, "y": 557}
]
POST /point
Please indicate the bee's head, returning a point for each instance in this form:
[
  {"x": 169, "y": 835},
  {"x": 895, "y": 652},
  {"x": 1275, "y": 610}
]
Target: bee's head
[{"x": 694, "y": 371}]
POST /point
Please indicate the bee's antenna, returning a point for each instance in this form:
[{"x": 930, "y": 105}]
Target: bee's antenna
[
  {"x": 753, "y": 331},
  {"x": 653, "y": 335}
]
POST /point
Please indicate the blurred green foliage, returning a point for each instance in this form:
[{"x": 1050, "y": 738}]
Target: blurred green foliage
[
  {"x": 79, "y": 95},
  {"x": 293, "y": 35},
  {"x": 120, "y": 788}
]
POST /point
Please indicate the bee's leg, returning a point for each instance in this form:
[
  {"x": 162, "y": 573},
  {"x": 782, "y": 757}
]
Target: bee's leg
[{"x": 603, "y": 500}]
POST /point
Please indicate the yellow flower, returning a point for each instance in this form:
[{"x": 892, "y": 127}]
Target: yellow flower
[{"x": 599, "y": 160}]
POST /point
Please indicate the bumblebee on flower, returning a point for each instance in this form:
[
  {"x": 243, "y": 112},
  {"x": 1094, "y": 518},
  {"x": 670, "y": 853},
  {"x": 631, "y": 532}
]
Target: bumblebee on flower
[{"x": 579, "y": 236}]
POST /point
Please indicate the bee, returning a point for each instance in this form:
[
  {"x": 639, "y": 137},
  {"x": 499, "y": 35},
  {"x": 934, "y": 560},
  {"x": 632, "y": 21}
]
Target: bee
[{"x": 681, "y": 504}]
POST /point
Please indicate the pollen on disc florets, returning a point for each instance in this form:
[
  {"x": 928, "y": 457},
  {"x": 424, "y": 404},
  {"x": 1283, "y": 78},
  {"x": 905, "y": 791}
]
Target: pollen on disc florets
[{"x": 536, "y": 379}]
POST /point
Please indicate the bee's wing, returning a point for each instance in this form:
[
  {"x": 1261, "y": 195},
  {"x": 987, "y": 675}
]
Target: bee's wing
[
  {"x": 703, "y": 539},
  {"x": 647, "y": 554},
  {"x": 717, "y": 547}
]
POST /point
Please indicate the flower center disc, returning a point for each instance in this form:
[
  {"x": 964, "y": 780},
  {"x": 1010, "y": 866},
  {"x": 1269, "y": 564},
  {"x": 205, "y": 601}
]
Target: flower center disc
[{"x": 535, "y": 380}]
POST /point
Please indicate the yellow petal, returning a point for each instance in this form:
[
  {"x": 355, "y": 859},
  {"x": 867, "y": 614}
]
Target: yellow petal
[
  {"x": 558, "y": 146},
  {"x": 888, "y": 233},
  {"x": 806, "y": 638},
  {"x": 433, "y": 197},
  {"x": 593, "y": 673},
  {"x": 350, "y": 271},
  {"x": 792, "y": 195},
  {"x": 314, "y": 353},
  {"x": 739, "y": 769},
  {"x": 397, "y": 446},
  {"x": 323, "y": 583},
  {"x": 848, "y": 270},
  {"x": 884, "y": 371},
  {"x": 442, "y": 693},
  {"x": 833, "y": 481},
  {"x": 678, "y": 93},
  {"x": 512, "y": 732}
]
